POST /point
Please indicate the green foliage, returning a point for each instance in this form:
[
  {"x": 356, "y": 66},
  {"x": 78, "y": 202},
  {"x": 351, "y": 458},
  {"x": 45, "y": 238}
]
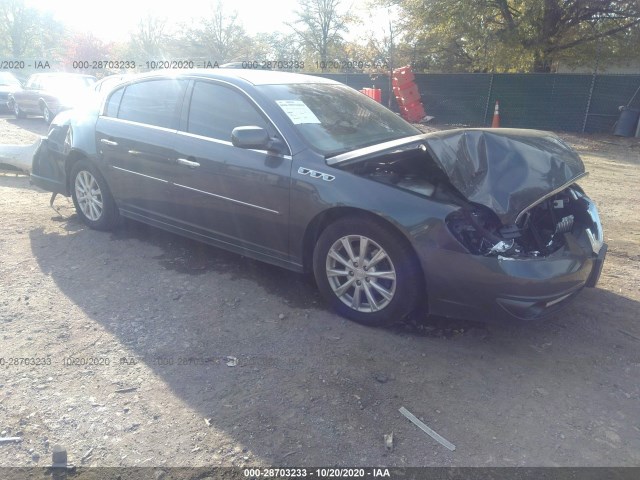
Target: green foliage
[
  {"x": 217, "y": 36},
  {"x": 432, "y": 35},
  {"x": 276, "y": 46},
  {"x": 27, "y": 33},
  {"x": 84, "y": 46},
  {"x": 150, "y": 40},
  {"x": 320, "y": 25},
  {"x": 516, "y": 35}
]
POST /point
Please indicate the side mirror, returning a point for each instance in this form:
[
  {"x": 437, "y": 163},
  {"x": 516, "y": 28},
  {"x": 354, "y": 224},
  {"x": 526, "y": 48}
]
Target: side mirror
[{"x": 256, "y": 138}]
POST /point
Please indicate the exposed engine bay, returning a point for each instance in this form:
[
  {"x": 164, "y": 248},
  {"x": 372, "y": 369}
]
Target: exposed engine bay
[
  {"x": 537, "y": 232},
  {"x": 407, "y": 170},
  {"x": 541, "y": 231}
]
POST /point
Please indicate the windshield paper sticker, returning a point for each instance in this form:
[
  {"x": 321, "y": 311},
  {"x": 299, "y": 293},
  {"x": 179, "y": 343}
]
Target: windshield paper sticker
[{"x": 297, "y": 111}]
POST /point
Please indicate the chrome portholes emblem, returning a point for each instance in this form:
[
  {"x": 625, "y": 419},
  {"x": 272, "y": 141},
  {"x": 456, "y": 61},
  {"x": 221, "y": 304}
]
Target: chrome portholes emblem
[{"x": 314, "y": 174}]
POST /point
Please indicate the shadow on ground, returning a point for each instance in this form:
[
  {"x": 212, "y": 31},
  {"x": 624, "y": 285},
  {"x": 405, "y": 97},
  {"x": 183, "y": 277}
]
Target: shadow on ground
[{"x": 315, "y": 389}]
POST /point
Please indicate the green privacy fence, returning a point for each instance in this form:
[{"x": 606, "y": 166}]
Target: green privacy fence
[{"x": 566, "y": 102}]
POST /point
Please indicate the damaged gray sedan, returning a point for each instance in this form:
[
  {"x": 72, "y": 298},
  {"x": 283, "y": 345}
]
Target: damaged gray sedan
[{"x": 308, "y": 174}]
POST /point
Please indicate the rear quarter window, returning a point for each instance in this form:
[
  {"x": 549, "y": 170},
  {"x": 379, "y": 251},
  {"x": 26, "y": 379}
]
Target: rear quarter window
[{"x": 113, "y": 104}]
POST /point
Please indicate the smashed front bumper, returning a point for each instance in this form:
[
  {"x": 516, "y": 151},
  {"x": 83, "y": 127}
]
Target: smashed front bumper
[
  {"x": 483, "y": 288},
  {"x": 531, "y": 308}
]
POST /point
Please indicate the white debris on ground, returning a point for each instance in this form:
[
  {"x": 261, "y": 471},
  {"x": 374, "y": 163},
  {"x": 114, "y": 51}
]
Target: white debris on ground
[{"x": 18, "y": 156}]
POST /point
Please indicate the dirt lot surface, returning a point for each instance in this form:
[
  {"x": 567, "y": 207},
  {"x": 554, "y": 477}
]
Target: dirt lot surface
[{"x": 206, "y": 358}]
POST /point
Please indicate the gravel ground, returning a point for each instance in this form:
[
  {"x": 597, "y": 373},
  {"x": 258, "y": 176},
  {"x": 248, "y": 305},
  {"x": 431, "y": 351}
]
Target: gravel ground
[{"x": 204, "y": 358}]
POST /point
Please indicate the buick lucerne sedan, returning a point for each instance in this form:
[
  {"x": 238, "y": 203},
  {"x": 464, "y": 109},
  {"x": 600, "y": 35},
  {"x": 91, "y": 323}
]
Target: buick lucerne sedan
[{"x": 311, "y": 175}]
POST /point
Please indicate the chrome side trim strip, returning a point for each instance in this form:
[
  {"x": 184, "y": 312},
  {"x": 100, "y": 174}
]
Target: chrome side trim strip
[
  {"x": 550, "y": 194},
  {"x": 202, "y": 137},
  {"x": 148, "y": 125},
  {"x": 229, "y": 199},
  {"x": 140, "y": 174},
  {"x": 229, "y": 144}
]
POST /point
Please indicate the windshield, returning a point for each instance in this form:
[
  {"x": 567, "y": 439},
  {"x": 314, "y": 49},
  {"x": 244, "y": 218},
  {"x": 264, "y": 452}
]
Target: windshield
[
  {"x": 8, "y": 79},
  {"x": 335, "y": 118}
]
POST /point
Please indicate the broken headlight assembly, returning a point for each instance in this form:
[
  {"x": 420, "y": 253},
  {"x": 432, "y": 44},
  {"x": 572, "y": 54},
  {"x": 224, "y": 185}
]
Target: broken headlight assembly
[{"x": 539, "y": 231}]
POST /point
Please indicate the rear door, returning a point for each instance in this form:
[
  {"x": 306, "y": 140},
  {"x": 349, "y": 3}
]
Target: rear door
[
  {"x": 135, "y": 137},
  {"x": 236, "y": 195}
]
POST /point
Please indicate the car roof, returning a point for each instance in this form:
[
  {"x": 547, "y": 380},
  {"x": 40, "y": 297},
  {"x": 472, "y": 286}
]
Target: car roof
[{"x": 251, "y": 76}]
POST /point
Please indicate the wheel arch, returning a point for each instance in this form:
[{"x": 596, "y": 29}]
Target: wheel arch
[
  {"x": 412, "y": 298},
  {"x": 73, "y": 157},
  {"x": 106, "y": 214},
  {"x": 325, "y": 218}
]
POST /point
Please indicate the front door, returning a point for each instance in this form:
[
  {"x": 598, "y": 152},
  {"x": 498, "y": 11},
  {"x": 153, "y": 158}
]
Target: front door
[{"x": 235, "y": 195}]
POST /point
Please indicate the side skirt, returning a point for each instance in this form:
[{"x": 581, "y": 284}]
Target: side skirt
[{"x": 294, "y": 267}]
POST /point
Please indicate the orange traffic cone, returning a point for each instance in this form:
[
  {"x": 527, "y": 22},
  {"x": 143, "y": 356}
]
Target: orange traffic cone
[{"x": 496, "y": 116}]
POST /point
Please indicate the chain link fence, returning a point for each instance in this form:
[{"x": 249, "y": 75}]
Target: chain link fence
[{"x": 554, "y": 101}]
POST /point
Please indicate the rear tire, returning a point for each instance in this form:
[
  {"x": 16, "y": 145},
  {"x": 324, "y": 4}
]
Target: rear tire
[
  {"x": 92, "y": 198},
  {"x": 367, "y": 272},
  {"x": 46, "y": 113}
]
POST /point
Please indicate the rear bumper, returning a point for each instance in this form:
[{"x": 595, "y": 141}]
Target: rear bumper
[
  {"x": 47, "y": 184},
  {"x": 48, "y": 173}
]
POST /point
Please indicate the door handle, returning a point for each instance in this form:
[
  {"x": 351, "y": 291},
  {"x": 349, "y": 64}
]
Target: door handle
[
  {"x": 108, "y": 142},
  {"x": 187, "y": 163}
]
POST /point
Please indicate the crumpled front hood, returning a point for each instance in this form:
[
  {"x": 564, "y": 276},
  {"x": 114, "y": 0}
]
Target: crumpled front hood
[{"x": 507, "y": 170}]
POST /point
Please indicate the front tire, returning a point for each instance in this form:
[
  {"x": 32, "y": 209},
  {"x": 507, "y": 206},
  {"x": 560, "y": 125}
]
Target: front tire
[
  {"x": 17, "y": 111},
  {"x": 92, "y": 197},
  {"x": 367, "y": 271}
]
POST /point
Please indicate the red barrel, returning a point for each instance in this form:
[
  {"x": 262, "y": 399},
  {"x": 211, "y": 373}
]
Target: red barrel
[
  {"x": 413, "y": 112},
  {"x": 402, "y": 76},
  {"x": 407, "y": 94},
  {"x": 374, "y": 93}
]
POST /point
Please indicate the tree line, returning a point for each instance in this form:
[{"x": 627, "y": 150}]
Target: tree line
[{"x": 431, "y": 35}]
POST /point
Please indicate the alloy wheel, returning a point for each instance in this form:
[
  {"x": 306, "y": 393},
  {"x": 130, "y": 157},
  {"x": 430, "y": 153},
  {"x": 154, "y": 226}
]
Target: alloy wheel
[
  {"x": 361, "y": 273},
  {"x": 89, "y": 195}
]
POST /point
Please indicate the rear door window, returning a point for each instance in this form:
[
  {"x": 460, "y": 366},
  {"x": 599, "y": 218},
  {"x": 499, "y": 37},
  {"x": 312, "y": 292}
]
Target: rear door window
[
  {"x": 216, "y": 110},
  {"x": 153, "y": 102}
]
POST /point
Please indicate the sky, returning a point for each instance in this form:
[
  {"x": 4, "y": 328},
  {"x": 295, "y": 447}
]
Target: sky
[{"x": 116, "y": 19}]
